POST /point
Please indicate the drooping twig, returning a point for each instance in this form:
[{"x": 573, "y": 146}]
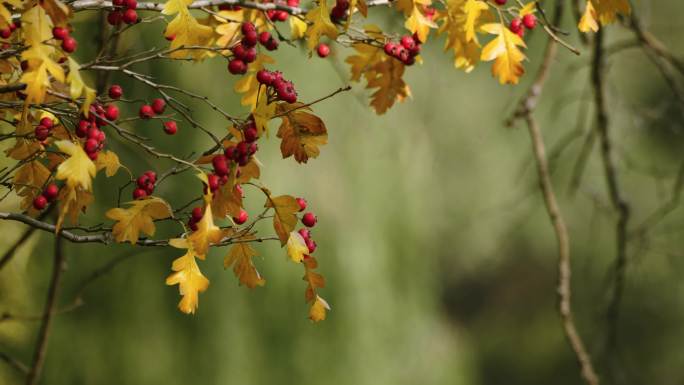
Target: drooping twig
[
  {"x": 48, "y": 312},
  {"x": 617, "y": 200},
  {"x": 525, "y": 111},
  {"x": 14, "y": 363}
]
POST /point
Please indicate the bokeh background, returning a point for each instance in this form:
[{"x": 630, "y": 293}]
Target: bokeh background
[{"x": 440, "y": 260}]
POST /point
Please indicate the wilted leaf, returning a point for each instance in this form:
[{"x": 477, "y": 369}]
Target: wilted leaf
[{"x": 301, "y": 132}]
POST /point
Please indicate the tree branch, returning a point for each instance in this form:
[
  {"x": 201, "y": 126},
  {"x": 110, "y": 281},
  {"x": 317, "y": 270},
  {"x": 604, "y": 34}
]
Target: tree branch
[{"x": 43, "y": 334}]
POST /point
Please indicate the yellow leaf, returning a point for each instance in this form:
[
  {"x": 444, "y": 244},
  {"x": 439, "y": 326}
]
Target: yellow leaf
[
  {"x": 419, "y": 24},
  {"x": 588, "y": 21},
  {"x": 72, "y": 201},
  {"x": 189, "y": 279},
  {"x": 109, "y": 161},
  {"x": 296, "y": 247},
  {"x": 301, "y": 133},
  {"x": 186, "y": 30},
  {"x": 460, "y": 24},
  {"x": 473, "y": 11},
  {"x": 78, "y": 169},
  {"x": 318, "y": 310},
  {"x": 206, "y": 234},
  {"x": 78, "y": 88},
  {"x": 603, "y": 11},
  {"x": 228, "y": 30},
  {"x": 505, "y": 53},
  {"x": 390, "y": 85},
  {"x": 367, "y": 56},
  {"x": 528, "y": 9},
  {"x": 284, "y": 218},
  {"x": 321, "y": 25},
  {"x": 297, "y": 28},
  {"x": 240, "y": 257},
  {"x": 139, "y": 217},
  {"x": 263, "y": 112}
]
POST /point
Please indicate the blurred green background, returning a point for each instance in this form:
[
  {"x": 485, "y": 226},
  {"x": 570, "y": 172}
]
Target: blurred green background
[{"x": 440, "y": 260}]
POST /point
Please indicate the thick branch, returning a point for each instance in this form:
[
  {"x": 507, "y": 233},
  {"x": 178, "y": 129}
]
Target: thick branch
[{"x": 618, "y": 202}]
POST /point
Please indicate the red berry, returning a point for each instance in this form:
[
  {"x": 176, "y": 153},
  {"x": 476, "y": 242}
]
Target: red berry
[
  {"x": 152, "y": 175},
  {"x": 60, "y": 33},
  {"x": 41, "y": 133},
  {"x": 51, "y": 192},
  {"x": 192, "y": 225},
  {"x": 338, "y": 13},
  {"x": 149, "y": 189},
  {"x": 281, "y": 15},
  {"x": 230, "y": 152},
  {"x": 114, "y": 17},
  {"x": 272, "y": 44},
  {"x": 309, "y": 220},
  {"x": 305, "y": 233},
  {"x": 111, "y": 112},
  {"x": 170, "y": 37},
  {"x": 131, "y": 4},
  {"x": 82, "y": 128},
  {"x": 14, "y": 25},
  {"x": 170, "y": 127},
  {"x": 213, "y": 180},
  {"x": 265, "y": 77},
  {"x": 247, "y": 27},
  {"x": 146, "y": 112},
  {"x": 47, "y": 123},
  {"x": 158, "y": 106},
  {"x": 239, "y": 51},
  {"x": 323, "y": 50},
  {"x": 250, "y": 55},
  {"x": 5, "y": 33},
  {"x": 115, "y": 91},
  {"x": 130, "y": 16},
  {"x": 264, "y": 37},
  {"x": 250, "y": 39},
  {"x": 69, "y": 44},
  {"x": 242, "y": 217},
  {"x": 408, "y": 42},
  {"x": 91, "y": 145},
  {"x": 529, "y": 21},
  {"x": 500, "y": 2},
  {"x": 292, "y": 3},
  {"x": 142, "y": 181},
  {"x": 389, "y": 48},
  {"x": 220, "y": 165},
  {"x": 516, "y": 25},
  {"x": 197, "y": 214},
  {"x": 250, "y": 134},
  {"x": 39, "y": 202},
  {"x": 139, "y": 193},
  {"x": 101, "y": 136},
  {"x": 118, "y": 3},
  {"x": 302, "y": 204},
  {"x": 311, "y": 245},
  {"x": 237, "y": 67}
]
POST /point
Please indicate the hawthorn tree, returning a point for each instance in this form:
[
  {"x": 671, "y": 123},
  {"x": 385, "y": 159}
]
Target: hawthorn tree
[{"x": 59, "y": 114}]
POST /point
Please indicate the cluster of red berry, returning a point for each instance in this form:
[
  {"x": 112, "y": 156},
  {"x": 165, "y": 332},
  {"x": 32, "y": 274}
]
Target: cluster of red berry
[
  {"x": 145, "y": 184},
  {"x": 124, "y": 11},
  {"x": 309, "y": 220},
  {"x": 6, "y": 32},
  {"x": 49, "y": 194},
  {"x": 68, "y": 42},
  {"x": 406, "y": 50},
  {"x": 276, "y": 15},
  {"x": 339, "y": 11},
  {"x": 88, "y": 127},
  {"x": 42, "y": 130},
  {"x": 284, "y": 89},
  {"x": 245, "y": 51},
  {"x": 529, "y": 21}
]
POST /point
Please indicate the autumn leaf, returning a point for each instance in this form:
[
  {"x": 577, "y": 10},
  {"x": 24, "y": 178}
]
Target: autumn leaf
[
  {"x": 229, "y": 26},
  {"x": 226, "y": 201},
  {"x": 301, "y": 132},
  {"x": 72, "y": 202},
  {"x": 78, "y": 169},
  {"x": 318, "y": 309},
  {"x": 505, "y": 53},
  {"x": 284, "y": 218},
  {"x": 240, "y": 258},
  {"x": 297, "y": 28},
  {"x": 263, "y": 112},
  {"x": 109, "y": 161},
  {"x": 31, "y": 176},
  {"x": 139, "y": 217},
  {"x": 390, "y": 86},
  {"x": 206, "y": 234},
  {"x": 186, "y": 30},
  {"x": 296, "y": 247},
  {"x": 589, "y": 20},
  {"x": 189, "y": 279},
  {"x": 321, "y": 25},
  {"x": 365, "y": 59},
  {"x": 460, "y": 23},
  {"x": 528, "y": 9},
  {"x": 78, "y": 88}
]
